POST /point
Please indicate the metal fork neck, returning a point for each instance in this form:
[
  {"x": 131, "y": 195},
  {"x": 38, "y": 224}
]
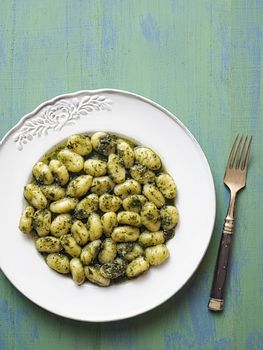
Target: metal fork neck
[
  {"x": 232, "y": 201},
  {"x": 229, "y": 220}
]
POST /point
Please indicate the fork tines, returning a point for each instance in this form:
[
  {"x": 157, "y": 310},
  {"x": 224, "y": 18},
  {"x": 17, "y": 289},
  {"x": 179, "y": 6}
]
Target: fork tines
[{"x": 236, "y": 159}]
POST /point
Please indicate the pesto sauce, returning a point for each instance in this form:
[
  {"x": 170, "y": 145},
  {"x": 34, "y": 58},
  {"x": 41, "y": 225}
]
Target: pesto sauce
[{"x": 52, "y": 154}]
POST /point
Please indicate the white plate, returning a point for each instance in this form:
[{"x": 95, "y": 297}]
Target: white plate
[{"x": 151, "y": 125}]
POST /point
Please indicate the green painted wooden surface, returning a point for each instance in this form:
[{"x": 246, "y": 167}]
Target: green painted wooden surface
[{"x": 200, "y": 59}]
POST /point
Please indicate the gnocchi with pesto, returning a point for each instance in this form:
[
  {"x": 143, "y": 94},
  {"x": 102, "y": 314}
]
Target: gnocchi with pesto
[{"x": 100, "y": 208}]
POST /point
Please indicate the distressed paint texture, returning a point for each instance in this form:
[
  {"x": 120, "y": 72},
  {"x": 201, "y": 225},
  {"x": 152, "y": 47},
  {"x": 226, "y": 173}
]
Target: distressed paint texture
[{"x": 202, "y": 60}]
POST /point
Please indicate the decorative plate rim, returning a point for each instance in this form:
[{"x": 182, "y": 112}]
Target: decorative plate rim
[{"x": 169, "y": 114}]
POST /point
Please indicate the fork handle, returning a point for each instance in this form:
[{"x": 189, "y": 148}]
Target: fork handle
[{"x": 216, "y": 302}]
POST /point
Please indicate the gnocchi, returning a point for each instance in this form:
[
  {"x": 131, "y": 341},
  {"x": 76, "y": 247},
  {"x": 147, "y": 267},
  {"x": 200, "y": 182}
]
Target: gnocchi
[
  {"x": 94, "y": 275},
  {"x": 34, "y": 196},
  {"x": 125, "y": 234},
  {"x": 166, "y": 185},
  {"x": 169, "y": 217},
  {"x": 147, "y": 239},
  {"x": 134, "y": 203},
  {"x": 127, "y": 188},
  {"x": 137, "y": 267},
  {"x": 59, "y": 171},
  {"x": 125, "y": 152},
  {"x": 63, "y": 205},
  {"x": 61, "y": 225},
  {"x": 77, "y": 271},
  {"x": 94, "y": 225},
  {"x": 70, "y": 245},
  {"x": 129, "y": 218},
  {"x": 42, "y": 174},
  {"x": 153, "y": 195},
  {"x": 48, "y": 244},
  {"x": 72, "y": 161},
  {"x": 79, "y": 186},
  {"x": 80, "y": 232},
  {"x": 108, "y": 251},
  {"x": 141, "y": 174},
  {"x": 95, "y": 167},
  {"x": 102, "y": 185},
  {"x": 156, "y": 255},
  {"x": 86, "y": 206},
  {"x": 58, "y": 262},
  {"x": 101, "y": 208},
  {"x": 116, "y": 169},
  {"x": 129, "y": 251},
  {"x": 109, "y": 202},
  {"x": 80, "y": 144},
  {"x": 53, "y": 192},
  {"x": 150, "y": 217},
  {"x": 90, "y": 252},
  {"x": 148, "y": 158},
  {"x": 109, "y": 221},
  {"x": 103, "y": 143},
  {"x": 42, "y": 222},
  {"x": 26, "y": 220}
]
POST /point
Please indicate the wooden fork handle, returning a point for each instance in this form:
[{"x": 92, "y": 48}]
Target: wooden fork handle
[{"x": 216, "y": 302}]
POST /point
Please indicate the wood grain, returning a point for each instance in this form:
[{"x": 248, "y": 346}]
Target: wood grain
[{"x": 202, "y": 60}]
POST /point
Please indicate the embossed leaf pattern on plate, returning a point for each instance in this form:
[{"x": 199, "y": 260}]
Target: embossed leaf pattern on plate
[{"x": 58, "y": 115}]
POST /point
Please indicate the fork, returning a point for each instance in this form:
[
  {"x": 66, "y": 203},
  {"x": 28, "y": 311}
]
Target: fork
[{"x": 235, "y": 179}]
